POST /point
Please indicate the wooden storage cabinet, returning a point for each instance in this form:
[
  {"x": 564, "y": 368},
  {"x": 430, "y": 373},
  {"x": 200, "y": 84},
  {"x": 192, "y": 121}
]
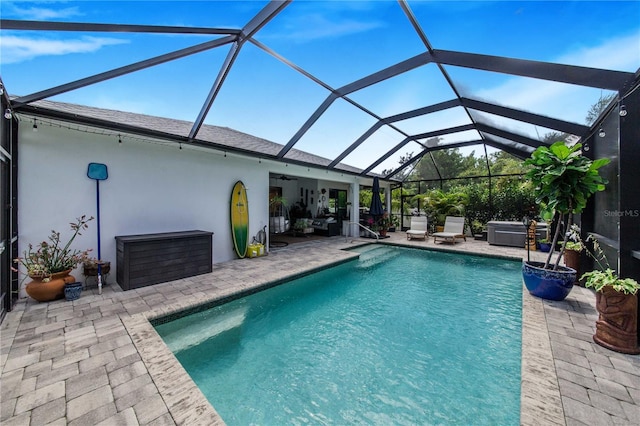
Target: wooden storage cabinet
[{"x": 144, "y": 260}]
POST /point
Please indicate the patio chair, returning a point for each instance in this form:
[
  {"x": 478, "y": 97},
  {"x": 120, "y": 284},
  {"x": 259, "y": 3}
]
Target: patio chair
[
  {"x": 418, "y": 228},
  {"x": 453, "y": 228}
]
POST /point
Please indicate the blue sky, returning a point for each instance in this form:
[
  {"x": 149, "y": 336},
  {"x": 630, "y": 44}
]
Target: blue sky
[{"x": 338, "y": 42}]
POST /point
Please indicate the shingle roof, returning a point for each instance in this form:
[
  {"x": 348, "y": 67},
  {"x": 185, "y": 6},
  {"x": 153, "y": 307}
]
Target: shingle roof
[{"x": 215, "y": 136}]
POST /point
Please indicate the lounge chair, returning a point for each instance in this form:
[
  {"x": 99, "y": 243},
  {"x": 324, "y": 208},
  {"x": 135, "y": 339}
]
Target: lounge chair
[
  {"x": 418, "y": 228},
  {"x": 453, "y": 228}
]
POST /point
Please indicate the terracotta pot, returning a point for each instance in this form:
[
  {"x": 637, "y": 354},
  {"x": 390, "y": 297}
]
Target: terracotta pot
[
  {"x": 52, "y": 289},
  {"x": 572, "y": 260},
  {"x": 617, "y": 326}
]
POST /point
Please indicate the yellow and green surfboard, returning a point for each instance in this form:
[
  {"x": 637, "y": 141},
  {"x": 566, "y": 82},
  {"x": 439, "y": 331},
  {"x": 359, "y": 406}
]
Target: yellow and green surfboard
[{"x": 240, "y": 219}]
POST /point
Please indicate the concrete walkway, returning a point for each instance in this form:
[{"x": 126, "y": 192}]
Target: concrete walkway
[{"x": 97, "y": 360}]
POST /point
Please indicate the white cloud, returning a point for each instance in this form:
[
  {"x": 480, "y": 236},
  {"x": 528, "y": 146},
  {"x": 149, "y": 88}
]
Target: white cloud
[
  {"x": 39, "y": 13},
  {"x": 18, "y": 49},
  {"x": 562, "y": 100},
  {"x": 317, "y": 26},
  {"x": 617, "y": 54}
]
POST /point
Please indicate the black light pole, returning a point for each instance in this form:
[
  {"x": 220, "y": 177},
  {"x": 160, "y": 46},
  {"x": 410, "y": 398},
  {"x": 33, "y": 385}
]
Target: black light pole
[
  {"x": 98, "y": 172},
  {"x": 526, "y": 222}
]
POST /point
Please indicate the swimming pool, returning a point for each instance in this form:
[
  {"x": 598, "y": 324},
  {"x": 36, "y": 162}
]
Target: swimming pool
[{"x": 423, "y": 337}]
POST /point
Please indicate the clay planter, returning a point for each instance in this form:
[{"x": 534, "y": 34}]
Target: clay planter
[
  {"x": 52, "y": 289},
  {"x": 547, "y": 283},
  {"x": 91, "y": 269},
  {"x": 572, "y": 260},
  {"x": 617, "y": 326}
]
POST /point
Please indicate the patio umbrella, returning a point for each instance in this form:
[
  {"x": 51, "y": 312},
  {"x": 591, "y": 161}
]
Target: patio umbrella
[{"x": 376, "y": 209}]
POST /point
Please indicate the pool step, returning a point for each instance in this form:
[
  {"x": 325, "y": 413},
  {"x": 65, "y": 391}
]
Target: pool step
[
  {"x": 376, "y": 255},
  {"x": 198, "y": 332}
]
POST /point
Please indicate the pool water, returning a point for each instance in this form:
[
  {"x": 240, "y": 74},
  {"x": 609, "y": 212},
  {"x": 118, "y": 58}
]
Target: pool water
[{"x": 400, "y": 336}]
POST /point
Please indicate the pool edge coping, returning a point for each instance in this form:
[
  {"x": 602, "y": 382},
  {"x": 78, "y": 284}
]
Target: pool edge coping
[
  {"x": 540, "y": 399},
  {"x": 184, "y": 400}
]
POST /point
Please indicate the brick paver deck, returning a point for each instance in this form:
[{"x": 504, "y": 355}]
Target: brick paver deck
[{"x": 97, "y": 360}]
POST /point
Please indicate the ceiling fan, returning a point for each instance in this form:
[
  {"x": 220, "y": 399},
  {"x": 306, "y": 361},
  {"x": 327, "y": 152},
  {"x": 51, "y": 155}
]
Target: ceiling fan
[{"x": 285, "y": 177}]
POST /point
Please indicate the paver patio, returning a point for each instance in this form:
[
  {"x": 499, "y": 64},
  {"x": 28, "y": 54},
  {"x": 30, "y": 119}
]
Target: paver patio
[{"x": 97, "y": 360}]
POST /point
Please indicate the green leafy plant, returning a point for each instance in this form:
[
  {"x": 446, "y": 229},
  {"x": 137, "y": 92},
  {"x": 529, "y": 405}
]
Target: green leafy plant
[
  {"x": 574, "y": 241},
  {"x": 277, "y": 204},
  {"x": 512, "y": 199},
  {"x": 385, "y": 222},
  {"x": 301, "y": 224},
  {"x": 440, "y": 204},
  {"x": 563, "y": 181},
  {"x": 395, "y": 221},
  {"x": 477, "y": 210},
  {"x": 598, "y": 280},
  {"x": 50, "y": 257},
  {"x": 605, "y": 276}
]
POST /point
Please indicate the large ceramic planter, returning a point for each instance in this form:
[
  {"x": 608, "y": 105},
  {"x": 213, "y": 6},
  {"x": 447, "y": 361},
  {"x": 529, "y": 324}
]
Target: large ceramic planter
[
  {"x": 546, "y": 283},
  {"x": 572, "y": 260},
  {"x": 44, "y": 290},
  {"x": 617, "y": 325}
]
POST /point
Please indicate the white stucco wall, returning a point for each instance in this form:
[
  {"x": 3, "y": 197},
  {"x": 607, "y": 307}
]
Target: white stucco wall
[{"x": 151, "y": 188}]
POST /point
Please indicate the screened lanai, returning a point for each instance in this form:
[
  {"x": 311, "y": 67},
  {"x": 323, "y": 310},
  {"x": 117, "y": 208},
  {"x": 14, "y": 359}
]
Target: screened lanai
[
  {"x": 361, "y": 88},
  {"x": 425, "y": 85}
]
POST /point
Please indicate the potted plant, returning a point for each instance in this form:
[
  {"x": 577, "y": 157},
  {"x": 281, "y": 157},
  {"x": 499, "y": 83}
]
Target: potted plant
[
  {"x": 384, "y": 223},
  {"x": 544, "y": 245},
  {"x": 373, "y": 227},
  {"x": 617, "y": 305},
  {"x": 90, "y": 267},
  {"x": 572, "y": 249},
  {"x": 478, "y": 229},
  {"x": 49, "y": 264},
  {"x": 563, "y": 181}
]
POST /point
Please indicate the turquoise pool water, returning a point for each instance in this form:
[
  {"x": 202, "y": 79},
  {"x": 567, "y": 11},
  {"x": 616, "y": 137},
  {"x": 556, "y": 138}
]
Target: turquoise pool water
[{"x": 400, "y": 336}]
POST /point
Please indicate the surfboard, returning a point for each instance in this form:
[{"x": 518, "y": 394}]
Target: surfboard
[{"x": 240, "y": 219}]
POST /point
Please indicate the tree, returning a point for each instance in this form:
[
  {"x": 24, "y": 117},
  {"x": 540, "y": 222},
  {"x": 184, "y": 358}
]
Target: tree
[
  {"x": 450, "y": 163},
  {"x": 564, "y": 180},
  {"x": 402, "y": 160},
  {"x": 597, "y": 108},
  {"x": 502, "y": 163}
]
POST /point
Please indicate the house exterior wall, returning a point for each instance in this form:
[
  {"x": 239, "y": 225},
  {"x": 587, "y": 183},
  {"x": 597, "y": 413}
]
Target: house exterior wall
[{"x": 151, "y": 188}]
